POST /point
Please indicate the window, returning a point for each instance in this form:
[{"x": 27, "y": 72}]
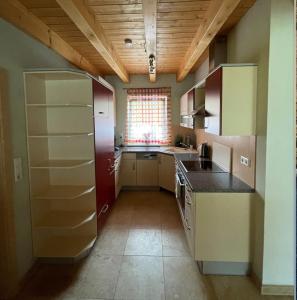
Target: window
[{"x": 148, "y": 117}]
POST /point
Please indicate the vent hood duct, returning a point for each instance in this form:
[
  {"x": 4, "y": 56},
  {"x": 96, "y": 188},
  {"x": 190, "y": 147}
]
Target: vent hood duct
[{"x": 217, "y": 52}]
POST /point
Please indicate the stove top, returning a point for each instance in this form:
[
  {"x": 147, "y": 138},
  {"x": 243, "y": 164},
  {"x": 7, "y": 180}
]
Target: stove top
[{"x": 201, "y": 166}]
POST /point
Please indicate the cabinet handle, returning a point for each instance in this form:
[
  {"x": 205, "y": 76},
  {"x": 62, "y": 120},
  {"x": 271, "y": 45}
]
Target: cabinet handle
[
  {"x": 189, "y": 203},
  {"x": 104, "y": 209},
  {"x": 187, "y": 224}
]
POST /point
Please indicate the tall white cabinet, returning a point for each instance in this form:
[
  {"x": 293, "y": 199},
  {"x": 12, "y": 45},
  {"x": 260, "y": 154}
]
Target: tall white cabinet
[{"x": 60, "y": 136}]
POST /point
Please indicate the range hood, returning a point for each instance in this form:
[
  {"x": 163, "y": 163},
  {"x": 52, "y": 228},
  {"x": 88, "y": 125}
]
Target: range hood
[{"x": 199, "y": 112}]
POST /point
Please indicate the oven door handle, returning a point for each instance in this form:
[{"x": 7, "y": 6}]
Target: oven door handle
[{"x": 178, "y": 181}]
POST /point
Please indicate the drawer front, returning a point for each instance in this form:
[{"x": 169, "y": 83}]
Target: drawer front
[{"x": 129, "y": 155}]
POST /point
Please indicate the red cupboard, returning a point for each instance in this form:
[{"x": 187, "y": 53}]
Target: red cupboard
[{"x": 104, "y": 150}]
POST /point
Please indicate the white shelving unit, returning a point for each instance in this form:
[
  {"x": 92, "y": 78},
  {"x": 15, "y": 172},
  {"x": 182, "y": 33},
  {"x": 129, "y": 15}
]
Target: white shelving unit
[{"x": 60, "y": 136}]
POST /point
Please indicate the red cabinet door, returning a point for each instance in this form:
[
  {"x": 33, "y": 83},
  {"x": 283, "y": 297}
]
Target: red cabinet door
[
  {"x": 213, "y": 102},
  {"x": 104, "y": 150}
]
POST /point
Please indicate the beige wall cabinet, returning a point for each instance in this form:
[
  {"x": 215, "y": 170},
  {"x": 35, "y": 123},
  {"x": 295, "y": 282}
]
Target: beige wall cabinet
[
  {"x": 184, "y": 105},
  {"x": 128, "y": 169},
  {"x": 166, "y": 172},
  {"x": 230, "y": 99},
  {"x": 147, "y": 171}
]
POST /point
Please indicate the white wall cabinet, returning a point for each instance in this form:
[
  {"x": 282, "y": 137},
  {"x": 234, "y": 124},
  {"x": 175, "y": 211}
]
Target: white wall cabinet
[
  {"x": 60, "y": 137},
  {"x": 230, "y": 100},
  {"x": 184, "y": 105},
  {"x": 166, "y": 172}
]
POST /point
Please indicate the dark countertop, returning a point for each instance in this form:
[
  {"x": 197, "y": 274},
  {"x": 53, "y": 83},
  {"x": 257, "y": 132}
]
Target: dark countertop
[
  {"x": 212, "y": 182},
  {"x": 170, "y": 150}
]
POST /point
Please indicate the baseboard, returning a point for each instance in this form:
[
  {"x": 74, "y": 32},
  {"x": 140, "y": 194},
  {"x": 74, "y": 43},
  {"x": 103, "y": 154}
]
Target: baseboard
[
  {"x": 277, "y": 290},
  {"x": 270, "y": 289},
  {"x": 224, "y": 268}
]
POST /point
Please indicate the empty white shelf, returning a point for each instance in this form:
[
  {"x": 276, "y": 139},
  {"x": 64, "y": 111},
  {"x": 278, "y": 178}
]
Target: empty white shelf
[
  {"x": 66, "y": 219},
  {"x": 64, "y": 134},
  {"x": 64, "y": 191},
  {"x": 66, "y": 246},
  {"x": 49, "y": 105},
  {"x": 60, "y": 164}
]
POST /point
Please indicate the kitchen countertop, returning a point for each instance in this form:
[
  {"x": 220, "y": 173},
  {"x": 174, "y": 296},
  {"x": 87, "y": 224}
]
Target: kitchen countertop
[
  {"x": 170, "y": 150},
  {"x": 209, "y": 182}
]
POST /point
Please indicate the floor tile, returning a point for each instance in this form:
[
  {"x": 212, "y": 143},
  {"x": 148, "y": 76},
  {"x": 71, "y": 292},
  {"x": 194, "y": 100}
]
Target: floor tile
[
  {"x": 101, "y": 278},
  {"x": 144, "y": 242},
  {"x": 183, "y": 281},
  {"x": 112, "y": 240},
  {"x": 146, "y": 217},
  {"x": 174, "y": 243},
  {"x": 141, "y": 278},
  {"x": 238, "y": 288}
]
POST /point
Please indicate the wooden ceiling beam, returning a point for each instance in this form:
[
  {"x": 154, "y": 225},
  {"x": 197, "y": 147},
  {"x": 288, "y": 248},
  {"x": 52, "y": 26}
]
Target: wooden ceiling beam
[
  {"x": 217, "y": 14},
  {"x": 149, "y": 8},
  {"x": 15, "y": 13},
  {"x": 85, "y": 21}
]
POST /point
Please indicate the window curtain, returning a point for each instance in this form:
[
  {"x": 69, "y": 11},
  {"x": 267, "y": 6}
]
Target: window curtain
[{"x": 148, "y": 116}]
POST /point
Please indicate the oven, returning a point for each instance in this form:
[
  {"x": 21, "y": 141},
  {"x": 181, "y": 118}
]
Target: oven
[{"x": 180, "y": 192}]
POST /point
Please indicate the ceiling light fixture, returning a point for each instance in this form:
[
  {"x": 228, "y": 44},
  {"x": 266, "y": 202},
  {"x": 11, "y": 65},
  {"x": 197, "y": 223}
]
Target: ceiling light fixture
[
  {"x": 152, "y": 64},
  {"x": 128, "y": 43}
]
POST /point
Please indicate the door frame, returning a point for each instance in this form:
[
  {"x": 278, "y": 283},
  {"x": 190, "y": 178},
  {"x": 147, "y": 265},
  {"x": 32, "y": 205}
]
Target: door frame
[{"x": 8, "y": 260}]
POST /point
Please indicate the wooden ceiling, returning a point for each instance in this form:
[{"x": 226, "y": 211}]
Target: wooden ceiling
[{"x": 96, "y": 30}]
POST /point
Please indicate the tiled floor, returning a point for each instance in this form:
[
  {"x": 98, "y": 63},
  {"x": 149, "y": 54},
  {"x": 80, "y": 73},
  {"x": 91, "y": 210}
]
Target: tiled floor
[{"x": 140, "y": 254}]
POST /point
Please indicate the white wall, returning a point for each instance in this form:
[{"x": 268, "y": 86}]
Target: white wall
[
  {"x": 266, "y": 36},
  {"x": 18, "y": 52},
  {"x": 279, "y": 246}
]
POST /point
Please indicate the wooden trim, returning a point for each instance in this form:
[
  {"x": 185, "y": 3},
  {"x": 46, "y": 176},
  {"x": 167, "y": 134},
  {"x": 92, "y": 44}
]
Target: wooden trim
[
  {"x": 218, "y": 13},
  {"x": 149, "y": 8},
  {"x": 277, "y": 290},
  {"x": 82, "y": 18},
  {"x": 17, "y": 14},
  {"x": 269, "y": 289},
  {"x": 8, "y": 262}
]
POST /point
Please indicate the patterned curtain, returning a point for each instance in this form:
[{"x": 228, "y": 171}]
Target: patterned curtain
[{"x": 148, "y": 116}]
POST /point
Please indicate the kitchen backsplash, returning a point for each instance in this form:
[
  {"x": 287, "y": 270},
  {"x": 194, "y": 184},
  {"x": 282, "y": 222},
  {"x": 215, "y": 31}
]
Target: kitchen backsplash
[{"x": 241, "y": 145}]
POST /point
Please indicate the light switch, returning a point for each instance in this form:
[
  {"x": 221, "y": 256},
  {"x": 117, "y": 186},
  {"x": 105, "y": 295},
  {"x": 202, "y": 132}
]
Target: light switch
[{"x": 18, "y": 169}]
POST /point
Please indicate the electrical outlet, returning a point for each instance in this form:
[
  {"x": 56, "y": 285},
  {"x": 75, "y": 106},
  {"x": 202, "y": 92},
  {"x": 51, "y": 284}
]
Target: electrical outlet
[
  {"x": 18, "y": 169},
  {"x": 244, "y": 161}
]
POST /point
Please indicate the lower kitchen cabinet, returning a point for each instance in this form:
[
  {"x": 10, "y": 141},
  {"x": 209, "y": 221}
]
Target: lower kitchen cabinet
[
  {"x": 128, "y": 169},
  {"x": 147, "y": 172},
  {"x": 167, "y": 172},
  {"x": 217, "y": 227},
  {"x": 222, "y": 227}
]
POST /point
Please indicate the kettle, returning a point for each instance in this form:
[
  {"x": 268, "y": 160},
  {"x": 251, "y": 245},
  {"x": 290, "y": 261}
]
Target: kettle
[{"x": 203, "y": 150}]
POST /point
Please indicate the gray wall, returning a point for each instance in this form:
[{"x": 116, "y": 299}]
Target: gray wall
[{"x": 18, "y": 51}]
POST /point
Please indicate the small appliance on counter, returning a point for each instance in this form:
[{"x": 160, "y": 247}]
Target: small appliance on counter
[{"x": 203, "y": 150}]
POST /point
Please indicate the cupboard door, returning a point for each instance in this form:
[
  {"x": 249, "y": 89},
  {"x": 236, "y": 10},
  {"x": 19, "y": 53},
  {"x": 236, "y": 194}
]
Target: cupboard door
[
  {"x": 213, "y": 102},
  {"x": 104, "y": 149},
  {"x": 167, "y": 172},
  {"x": 184, "y": 105},
  {"x": 191, "y": 100},
  {"x": 128, "y": 172},
  {"x": 147, "y": 172}
]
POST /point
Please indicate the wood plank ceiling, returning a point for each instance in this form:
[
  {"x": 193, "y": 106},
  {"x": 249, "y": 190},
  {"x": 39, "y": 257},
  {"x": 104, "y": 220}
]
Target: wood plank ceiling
[{"x": 177, "y": 25}]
